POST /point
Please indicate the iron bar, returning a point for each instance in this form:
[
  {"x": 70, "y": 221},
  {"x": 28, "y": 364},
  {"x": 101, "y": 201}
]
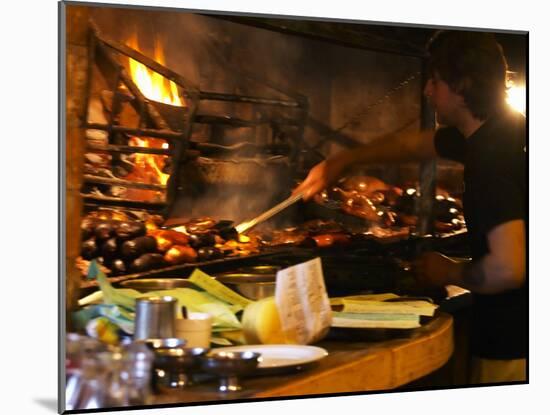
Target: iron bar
[
  {"x": 88, "y": 178},
  {"x": 150, "y": 63},
  {"x": 216, "y": 96},
  {"x": 113, "y": 148},
  {"x": 142, "y": 102},
  {"x": 238, "y": 122},
  {"x": 99, "y": 201},
  {"x": 146, "y": 132}
]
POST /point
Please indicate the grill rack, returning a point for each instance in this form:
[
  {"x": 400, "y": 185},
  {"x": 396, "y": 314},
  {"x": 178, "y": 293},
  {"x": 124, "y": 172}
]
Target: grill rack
[{"x": 170, "y": 123}]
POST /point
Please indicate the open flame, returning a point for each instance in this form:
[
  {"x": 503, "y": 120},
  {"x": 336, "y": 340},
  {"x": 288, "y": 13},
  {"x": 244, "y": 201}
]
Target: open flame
[
  {"x": 152, "y": 84},
  {"x": 149, "y": 164},
  {"x": 148, "y": 168}
]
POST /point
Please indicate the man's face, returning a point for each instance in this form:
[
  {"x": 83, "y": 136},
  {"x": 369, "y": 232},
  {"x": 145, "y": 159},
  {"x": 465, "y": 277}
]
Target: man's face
[{"x": 444, "y": 101}]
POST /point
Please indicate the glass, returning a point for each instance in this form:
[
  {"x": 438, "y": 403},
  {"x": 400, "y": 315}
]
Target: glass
[{"x": 102, "y": 377}]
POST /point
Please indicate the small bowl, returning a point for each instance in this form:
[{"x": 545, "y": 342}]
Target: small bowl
[
  {"x": 174, "y": 366},
  {"x": 261, "y": 269},
  {"x": 252, "y": 286},
  {"x": 156, "y": 284},
  {"x": 166, "y": 343},
  {"x": 229, "y": 366}
]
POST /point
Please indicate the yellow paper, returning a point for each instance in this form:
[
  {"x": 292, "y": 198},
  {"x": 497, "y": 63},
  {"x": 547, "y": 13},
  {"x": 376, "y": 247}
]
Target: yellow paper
[
  {"x": 217, "y": 289},
  {"x": 421, "y": 308},
  {"x": 366, "y": 297}
]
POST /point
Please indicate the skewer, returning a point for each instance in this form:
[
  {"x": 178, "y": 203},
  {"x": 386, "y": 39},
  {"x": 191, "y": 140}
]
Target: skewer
[{"x": 246, "y": 226}]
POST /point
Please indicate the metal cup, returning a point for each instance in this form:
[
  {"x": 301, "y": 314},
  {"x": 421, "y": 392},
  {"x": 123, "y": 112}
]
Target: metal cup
[{"x": 155, "y": 317}]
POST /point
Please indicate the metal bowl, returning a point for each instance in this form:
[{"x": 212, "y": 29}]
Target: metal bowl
[
  {"x": 228, "y": 366},
  {"x": 252, "y": 286},
  {"x": 261, "y": 269},
  {"x": 156, "y": 284},
  {"x": 165, "y": 343},
  {"x": 174, "y": 367}
]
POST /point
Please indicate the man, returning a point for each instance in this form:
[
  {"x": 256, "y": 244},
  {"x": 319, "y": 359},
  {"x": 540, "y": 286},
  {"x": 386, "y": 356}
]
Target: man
[{"x": 467, "y": 88}]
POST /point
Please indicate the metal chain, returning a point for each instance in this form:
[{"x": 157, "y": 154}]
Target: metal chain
[{"x": 363, "y": 112}]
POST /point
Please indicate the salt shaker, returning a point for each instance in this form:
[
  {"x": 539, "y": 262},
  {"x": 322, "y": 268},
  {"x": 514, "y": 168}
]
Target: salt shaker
[{"x": 155, "y": 317}]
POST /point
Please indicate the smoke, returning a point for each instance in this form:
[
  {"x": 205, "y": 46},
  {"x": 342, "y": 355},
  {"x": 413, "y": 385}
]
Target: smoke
[{"x": 230, "y": 190}]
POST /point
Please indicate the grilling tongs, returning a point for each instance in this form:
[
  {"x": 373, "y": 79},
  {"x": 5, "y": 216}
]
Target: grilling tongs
[{"x": 247, "y": 225}]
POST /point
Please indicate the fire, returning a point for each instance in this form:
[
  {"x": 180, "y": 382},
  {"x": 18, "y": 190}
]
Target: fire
[
  {"x": 149, "y": 163},
  {"x": 152, "y": 84}
]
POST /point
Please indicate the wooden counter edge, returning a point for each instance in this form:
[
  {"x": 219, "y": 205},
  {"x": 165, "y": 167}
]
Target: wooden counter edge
[{"x": 381, "y": 369}]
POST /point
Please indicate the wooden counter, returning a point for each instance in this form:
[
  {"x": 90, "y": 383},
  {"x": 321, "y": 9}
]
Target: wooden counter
[{"x": 351, "y": 366}]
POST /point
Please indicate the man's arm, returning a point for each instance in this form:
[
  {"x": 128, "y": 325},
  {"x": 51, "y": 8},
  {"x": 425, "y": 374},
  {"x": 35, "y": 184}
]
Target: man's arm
[
  {"x": 402, "y": 147},
  {"x": 503, "y": 268}
]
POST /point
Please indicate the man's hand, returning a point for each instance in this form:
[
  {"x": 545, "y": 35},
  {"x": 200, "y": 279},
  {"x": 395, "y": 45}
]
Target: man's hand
[
  {"x": 320, "y": 177},
  {"x": 433, "y": 269}
]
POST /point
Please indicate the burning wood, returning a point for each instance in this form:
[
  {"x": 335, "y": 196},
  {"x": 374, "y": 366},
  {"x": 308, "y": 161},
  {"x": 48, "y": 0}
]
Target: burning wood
[
  {"x": 152, "y": 84},
  {"x": 143, "y": 164}
]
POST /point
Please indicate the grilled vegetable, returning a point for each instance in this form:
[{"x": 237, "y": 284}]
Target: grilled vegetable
[
  {"x": 89, "y": 249},
  {"x": 117, "y": 267},
  {"x": 198, "y": 240},
  {"x": 87, "y": 227},
  {"x": 109, "y": 215},
  {"x": 146, "y": 262},
  {"x": 209, "y": 253},
  {"x": 109, "y": 248},
  {"x": 105, "y": 230},
  {"x": 138, "y": 246},
  {"x": 130, "y": 230},
  {"x": 179, "y": 254}
]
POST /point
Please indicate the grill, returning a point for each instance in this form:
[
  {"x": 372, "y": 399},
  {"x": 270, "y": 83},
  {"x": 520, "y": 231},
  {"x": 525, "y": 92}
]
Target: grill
[
  {"x": 182, "y": 136},
  {"x": 189, "y": 141}
]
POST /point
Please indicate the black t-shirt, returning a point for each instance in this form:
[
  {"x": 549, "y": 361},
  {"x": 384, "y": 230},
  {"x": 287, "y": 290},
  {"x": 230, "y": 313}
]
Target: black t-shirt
[{"x": 495, "y": 190}]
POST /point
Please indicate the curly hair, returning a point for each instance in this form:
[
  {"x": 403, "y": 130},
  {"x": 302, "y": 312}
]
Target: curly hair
[{"x": 473, "y": 65}]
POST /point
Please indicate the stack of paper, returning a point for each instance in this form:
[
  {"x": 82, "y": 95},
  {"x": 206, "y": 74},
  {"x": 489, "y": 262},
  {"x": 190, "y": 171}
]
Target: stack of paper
[{"x": 375, "y": 311}]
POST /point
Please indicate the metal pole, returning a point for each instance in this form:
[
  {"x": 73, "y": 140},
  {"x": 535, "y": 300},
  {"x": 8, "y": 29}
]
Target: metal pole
[{"x": 427, "y": 170}]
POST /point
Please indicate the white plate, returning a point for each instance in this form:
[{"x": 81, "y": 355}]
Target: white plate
[{"x": 280, "y": 355}]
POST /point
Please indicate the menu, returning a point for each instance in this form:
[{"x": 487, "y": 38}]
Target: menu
[{"x": 302, "y": 302}]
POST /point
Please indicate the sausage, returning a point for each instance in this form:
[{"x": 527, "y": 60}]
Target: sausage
[
  {"x": 163, "y": 244},
  {"x": 177, "y": 238},
  {"x": 331, "y": 239}
]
